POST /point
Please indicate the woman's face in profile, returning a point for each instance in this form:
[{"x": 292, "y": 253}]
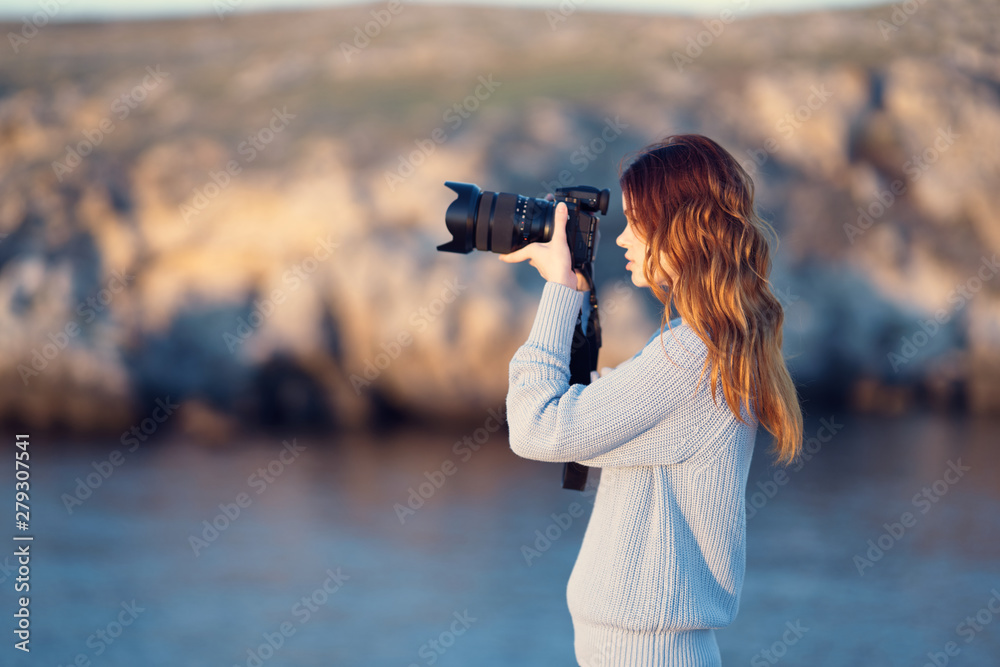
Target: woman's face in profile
[{"x": 636, "y": 250}]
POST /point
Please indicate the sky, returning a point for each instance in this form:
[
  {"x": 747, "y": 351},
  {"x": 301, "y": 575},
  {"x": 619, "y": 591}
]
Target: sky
[{"x": 16, "y": 10}]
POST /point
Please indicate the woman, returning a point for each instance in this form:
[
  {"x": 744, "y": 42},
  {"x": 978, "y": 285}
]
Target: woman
[{"x": 663, "y": 557}]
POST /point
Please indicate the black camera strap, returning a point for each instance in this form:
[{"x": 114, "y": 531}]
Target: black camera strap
[{"x": 582, "y": 361}]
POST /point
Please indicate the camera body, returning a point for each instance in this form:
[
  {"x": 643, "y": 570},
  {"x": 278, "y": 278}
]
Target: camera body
[
  {"x": 504, "y": 222},
  {"x": 582, "y": 202}
]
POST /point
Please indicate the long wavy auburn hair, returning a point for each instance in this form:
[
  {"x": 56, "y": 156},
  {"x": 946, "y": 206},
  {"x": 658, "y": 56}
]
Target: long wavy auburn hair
[{"x": 692, "y": 203}]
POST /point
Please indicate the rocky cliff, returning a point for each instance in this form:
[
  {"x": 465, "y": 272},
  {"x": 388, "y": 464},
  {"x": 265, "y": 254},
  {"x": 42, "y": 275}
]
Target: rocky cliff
[{"x": 238, "y": 214}]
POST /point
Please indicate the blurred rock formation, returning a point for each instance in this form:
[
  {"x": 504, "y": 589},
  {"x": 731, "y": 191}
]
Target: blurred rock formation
[{"x": 240, "y": 214}]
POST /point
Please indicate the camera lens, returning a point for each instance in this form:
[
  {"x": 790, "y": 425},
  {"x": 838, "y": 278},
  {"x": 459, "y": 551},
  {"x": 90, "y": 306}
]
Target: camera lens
[
  {"x": 496, "y": 222},
  {"x": 534, "y": 219}
]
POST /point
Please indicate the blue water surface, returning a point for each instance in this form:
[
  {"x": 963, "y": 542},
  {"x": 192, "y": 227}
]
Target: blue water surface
[{"x": 321, "y": 549}]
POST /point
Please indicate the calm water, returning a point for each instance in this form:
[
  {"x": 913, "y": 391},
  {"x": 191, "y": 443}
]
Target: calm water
[{"x": 454, "y": 572}]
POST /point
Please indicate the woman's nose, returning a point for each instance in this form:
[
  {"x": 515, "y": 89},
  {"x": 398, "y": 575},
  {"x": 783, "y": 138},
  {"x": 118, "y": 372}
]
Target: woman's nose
[{"x": 620, "y": 241}]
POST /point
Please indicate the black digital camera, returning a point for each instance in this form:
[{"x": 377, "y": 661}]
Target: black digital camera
[{"x": 504, "y": 222}]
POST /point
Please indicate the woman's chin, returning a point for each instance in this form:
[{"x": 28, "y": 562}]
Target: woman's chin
[{"x": 638, "y": 280}]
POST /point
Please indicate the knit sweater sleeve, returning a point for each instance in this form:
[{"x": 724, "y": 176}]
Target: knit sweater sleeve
[{"x": 599, "y": 423}]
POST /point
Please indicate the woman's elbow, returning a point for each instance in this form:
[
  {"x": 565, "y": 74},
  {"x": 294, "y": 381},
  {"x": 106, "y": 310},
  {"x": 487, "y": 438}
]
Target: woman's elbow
[
  {"x": 521, "y": 441},
  {"x": 536, "y": 445},
  {"x": 531, "y": 434}
]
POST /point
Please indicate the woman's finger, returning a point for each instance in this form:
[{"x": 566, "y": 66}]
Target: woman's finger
[
  {"x": 518, "y": 255},
  {"x": 559, "y": 230}
]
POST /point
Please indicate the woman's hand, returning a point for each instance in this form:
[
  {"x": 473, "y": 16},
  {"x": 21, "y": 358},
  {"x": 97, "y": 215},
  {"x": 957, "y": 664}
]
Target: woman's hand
[{"x": 552, "y": 259}]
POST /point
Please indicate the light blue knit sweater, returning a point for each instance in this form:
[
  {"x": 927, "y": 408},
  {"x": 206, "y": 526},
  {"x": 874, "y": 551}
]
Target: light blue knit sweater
[{"x": 663, "y": 556}]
